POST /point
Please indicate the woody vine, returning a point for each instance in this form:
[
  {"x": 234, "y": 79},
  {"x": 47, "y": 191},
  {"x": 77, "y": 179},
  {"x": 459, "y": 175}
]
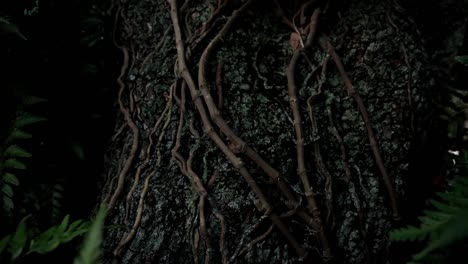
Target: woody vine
[{"x": 200, "y": 100}]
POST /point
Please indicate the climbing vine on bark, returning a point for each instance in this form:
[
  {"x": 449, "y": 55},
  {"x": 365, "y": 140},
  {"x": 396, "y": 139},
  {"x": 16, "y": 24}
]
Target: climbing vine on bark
[{"x": 329, "y": 204}]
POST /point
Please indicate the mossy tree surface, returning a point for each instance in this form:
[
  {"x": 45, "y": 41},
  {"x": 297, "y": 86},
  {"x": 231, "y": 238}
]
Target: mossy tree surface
[{"x": 177, "y": 196}]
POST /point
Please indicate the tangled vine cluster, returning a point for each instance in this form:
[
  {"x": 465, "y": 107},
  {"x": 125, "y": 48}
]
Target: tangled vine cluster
[{"x": 205, "y": 107}]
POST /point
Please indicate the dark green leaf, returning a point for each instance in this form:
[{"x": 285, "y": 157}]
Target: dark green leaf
[
  {"x": 10, "y": 179},
  {"x": 14, "y": 151},
  {"x": 7, "y": 190},
  {"x": 14, "y": 164},
  {"x": 18, "y": 240},
  {"x": 28, "y": 119},
  {"x": 90, "y": 251}
]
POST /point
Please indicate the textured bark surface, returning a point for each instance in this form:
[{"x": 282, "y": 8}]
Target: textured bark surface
[{"x": 383, "y": 55}]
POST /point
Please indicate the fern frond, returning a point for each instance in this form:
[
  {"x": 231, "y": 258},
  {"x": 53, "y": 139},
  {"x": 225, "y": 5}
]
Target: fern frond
[
  {"x": 444, "y": 207},
  {"x": 18, "y": 240},
  {"x": 57, "y": 235},
  {"x": 15, "y": 151},
  {"x": 8, "y": 205},
  {"x": 56, "y": 201},
  {"x": 27, "y": 119},
  {"x": 14, "y": 164},
  {"x": 437, "y": 216},
  {"x": 18, "y": 134},
  {"x": 10, "y": 179},
  {"x": 454, "y": 199},
  {"x": 443, "y": 225},
  {"x": 7, "y": 190},
  {"x": 410, "y": 233},
  {"x": 32, "y": 100}
]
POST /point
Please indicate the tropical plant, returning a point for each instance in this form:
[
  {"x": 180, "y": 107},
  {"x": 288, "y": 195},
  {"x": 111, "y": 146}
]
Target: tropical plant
[
  {"x": 443, "y": 225},
  {"x": 25, "y": 241},
  {"x": 12, "y": 155}
]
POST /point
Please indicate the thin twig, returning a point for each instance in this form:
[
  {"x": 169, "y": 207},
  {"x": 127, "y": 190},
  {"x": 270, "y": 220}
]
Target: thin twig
[{"x": 352, "y": 92}]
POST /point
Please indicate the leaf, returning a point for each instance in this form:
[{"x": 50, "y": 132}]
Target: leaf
[
  {"x": 57, "y": 235},
  {"x": 32, "y": 100},
  {"x": 44, "y": 242},
  {"x": 18, "y": 240},
  {"x": 14, "y": 164},
  {"x": 7, "y": 190},
  {"x": 28, "y": 119},
  {"x": 444, "y": 207},
  {"x": 18, "y": 134},
  {"x": 78, "y": 150},
  {"x": 457, "y": 101},
  {"x": 63, "y": 226},
  {"x": 15, "y": 151},
  {"x": 4, "y": 243},
  {"x": 456, "y": 230},
  {"x": 449, "y": 111},
  {"x": 462, "y": 59},
  {"x": 409, "y": 233},
  {"x": 8, "y": 27},
  {"x": 8, "y": 205},
  {"x": 10, "y": 179},
  {"x": 90, "y": 251},
  {"x": 77, "y": 228}
]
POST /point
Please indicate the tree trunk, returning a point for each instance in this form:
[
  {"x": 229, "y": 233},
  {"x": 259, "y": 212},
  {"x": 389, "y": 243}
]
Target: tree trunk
[{"x": 262, "y": 132}]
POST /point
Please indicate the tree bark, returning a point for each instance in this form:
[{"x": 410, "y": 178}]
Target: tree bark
[{"x": 261, "y": 131}]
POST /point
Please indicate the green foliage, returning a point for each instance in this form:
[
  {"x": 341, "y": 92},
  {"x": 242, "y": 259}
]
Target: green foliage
[
  {"x": 462, "y": 59},
  {"x": 56, "y": 201},
  {"x": 444, "y": 225},
  {"x": 24, "y": 242},
  {"x": 93, "y": 28},
  {"x": 12, "y": 154},
  {"x": 9, "y": 28},
  {"x": 454, "y": 110},
  {"x": 90, "y": 251}
]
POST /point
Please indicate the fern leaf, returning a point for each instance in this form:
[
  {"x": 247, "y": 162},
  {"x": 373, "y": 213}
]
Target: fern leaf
[
  {"x": 56, "y": 199},
  {"x": 450, "y": 111},
  {"x": 15, "y": 151},
  {"x": 462, "y": 181},
  {"x": 457, "y": 101},
  {"x": 427, "y": 221},
  {"x": 45, "y": 242},
  {"x": 63, "y": 226},
  {"x": 57, "y": 235},
  {"x": 454, "y": 199},
  {"x": 462, "y": 59},
  {"x": 77, "y": 228},
  {"x": 10, "y": 179},
  {"x": 409, "y": 233},
  {"x": 444, "y": 207},
  {"x": 7, "y": 190},
  {"x": 456, "y": 230},
  {"x": 437, "y": 215},
  {"x": 27, "y": 119},
  {"x": 18, "y": 134},
  {"x": 459, "y": 92},
  {"x": 32, "y": 100},
  {"x": 89, "y": 253},
  {"x": 4, "y": 243},
  {"x": 14, "y": 164},
  {"x": 8, "y": 205},
  {"x": 18, "y": 240}
]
